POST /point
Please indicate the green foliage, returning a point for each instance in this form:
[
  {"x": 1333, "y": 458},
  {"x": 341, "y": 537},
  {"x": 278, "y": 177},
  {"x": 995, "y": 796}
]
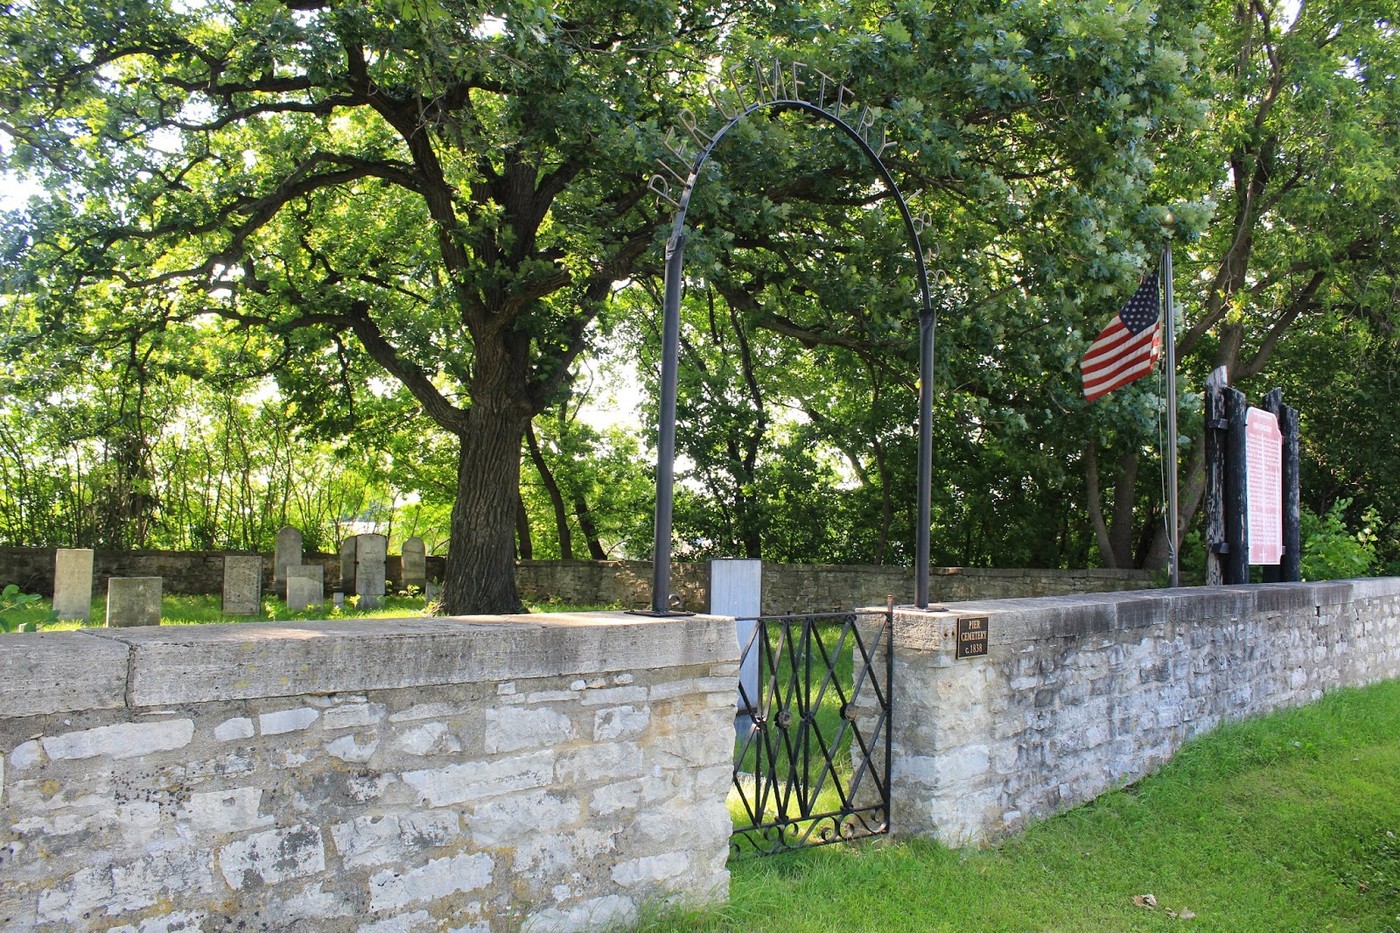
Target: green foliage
[
  {"x": 1293, "y": 283},
  {"x": 15, "y": 606},
  {"x": 801, "y": 321},
  {"x": 1331, "y": 551},
  {"x": 414, "y": 229},
  {"x": 603, "y": 489},
  {"x": 346, "y": 196},
  {"x": 214, "y": 470}
]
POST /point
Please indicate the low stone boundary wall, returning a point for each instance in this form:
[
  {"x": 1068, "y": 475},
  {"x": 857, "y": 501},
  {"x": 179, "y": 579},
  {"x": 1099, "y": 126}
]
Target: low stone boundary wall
[
  {"x": 623, "y": 583},
  {"x": 1078, "y": 695},
  {"x": 810, "y": 587},
  {"x": 542, "y": 772}
]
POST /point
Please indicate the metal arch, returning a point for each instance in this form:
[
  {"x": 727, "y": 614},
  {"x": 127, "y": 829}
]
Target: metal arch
[{"x": 670, "y": 361}]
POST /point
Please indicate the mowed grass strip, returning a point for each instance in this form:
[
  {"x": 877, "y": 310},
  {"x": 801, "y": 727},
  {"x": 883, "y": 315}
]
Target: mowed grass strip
[
  {"x": 1287, "y": 822},
  {"x": 201, "y": 610}
]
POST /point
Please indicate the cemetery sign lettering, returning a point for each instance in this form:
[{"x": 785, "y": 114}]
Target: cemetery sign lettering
[{"x": 972, "y": 638}]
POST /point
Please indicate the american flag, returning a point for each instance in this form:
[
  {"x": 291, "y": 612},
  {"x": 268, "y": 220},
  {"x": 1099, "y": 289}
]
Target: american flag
[{"x": 1128, "y": 347}]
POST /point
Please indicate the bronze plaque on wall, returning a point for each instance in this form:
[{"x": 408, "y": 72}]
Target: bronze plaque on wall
[{"x": 972, "y": 638}]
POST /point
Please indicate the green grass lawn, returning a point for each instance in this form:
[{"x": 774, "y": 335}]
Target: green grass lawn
[
  {"x": 195, "y": 610},
  {"x": 1290, "y": 822}
]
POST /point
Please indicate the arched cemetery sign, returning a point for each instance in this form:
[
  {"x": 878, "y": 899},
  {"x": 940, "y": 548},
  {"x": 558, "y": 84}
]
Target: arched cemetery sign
[{"x": 774, "y": 87}]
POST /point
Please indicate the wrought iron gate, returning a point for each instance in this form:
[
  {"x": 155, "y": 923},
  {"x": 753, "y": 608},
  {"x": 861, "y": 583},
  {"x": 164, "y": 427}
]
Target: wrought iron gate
[{"x": 812, "y": 752}]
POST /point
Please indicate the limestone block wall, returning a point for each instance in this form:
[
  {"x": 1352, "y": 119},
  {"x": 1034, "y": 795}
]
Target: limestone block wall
[
  {"x": 809, "y": 587},
  {"x": 624, "y": 583},
  {"x": 1078, "y": 695},
  {"x": 538, "y": 773}
]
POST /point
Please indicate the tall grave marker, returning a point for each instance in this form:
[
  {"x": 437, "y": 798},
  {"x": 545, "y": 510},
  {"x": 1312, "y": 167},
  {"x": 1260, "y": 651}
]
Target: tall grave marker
[
  {"x": 415, "y": 564},
  {"x": 736, "y": 589},
  {"x": 371, "y": 554},
  {"x": 288, "y": 554},
  {"x": 243, "y": 585},
  {"x": 347, "y": 565},
  {"x": 72, "y": 583}
]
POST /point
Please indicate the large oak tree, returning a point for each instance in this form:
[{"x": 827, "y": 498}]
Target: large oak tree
[{"x": 448, "y": 189}]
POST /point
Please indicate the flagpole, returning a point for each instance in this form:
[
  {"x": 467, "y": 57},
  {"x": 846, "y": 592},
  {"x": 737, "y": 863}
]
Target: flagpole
[{"x": 1169, "y": 325}]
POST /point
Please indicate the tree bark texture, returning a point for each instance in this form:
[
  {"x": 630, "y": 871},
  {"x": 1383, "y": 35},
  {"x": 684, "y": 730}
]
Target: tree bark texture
[{"x": 480, "y": 575}]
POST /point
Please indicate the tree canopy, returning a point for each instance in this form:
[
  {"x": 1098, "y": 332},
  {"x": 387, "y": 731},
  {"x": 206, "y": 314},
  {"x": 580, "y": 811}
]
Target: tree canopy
[
  {"x": 396, "y": 236},
  {"x": 440, "y": 191}
]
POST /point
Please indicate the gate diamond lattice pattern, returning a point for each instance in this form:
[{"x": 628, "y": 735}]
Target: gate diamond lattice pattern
[{"x": 812, "y": 756}]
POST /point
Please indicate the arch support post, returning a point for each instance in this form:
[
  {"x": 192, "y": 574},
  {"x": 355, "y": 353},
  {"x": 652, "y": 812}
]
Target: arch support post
[
  {"x": 666, "y": 434},
  {"x": 670, "y": 347},
  {"x": 921, "y": 547}
]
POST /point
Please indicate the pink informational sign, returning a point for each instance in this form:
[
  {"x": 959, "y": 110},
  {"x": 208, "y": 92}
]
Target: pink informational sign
[{"x": 1264, "y": 460}]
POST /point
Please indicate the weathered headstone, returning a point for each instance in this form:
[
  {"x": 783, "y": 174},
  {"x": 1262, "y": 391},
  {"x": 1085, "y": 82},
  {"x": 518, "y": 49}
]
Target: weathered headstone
[
  {"x": 347, "y": 565},
  {"x": 415, "y": 564},
  {"x": 288, "y": 554},
  {"x": 133, "y": 601},
  {"x": 243, "y": 585},
  {"x": 338, "y": 599},
  {"x": 306, "y": 586},
  {"x": 736, "y": 589},
  {"x": 371, "y": 553},
  {"x": 72, "y": 583}
]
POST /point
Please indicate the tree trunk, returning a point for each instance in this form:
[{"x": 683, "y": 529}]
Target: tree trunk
[
  {"x": 556, "y": 498},
  {"x": 480, "y": 575},
  {"x": 589, "y": 527},
  {"x": 1115, "y": 539},
  {"x": 1124, "y": 496},
  {"x": 525, "y": 548}
]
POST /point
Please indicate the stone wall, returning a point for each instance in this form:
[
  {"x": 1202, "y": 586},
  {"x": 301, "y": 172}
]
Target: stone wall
[
  {"x": 809, "y": 587},
  {"x": 622, "y": 583},
  {"x": 1078, "y": 695},
  {"x": 549, "y": 773}
]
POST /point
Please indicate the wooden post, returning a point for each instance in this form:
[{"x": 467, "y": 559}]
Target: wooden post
[
  {"x": 1236, "y": 563},
  {"x": 1290, "y": 570},
  {"x": 1215, "y": 475}
]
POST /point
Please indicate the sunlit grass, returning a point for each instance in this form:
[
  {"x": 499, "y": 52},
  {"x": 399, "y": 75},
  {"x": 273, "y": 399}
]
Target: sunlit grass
[
  {"x": 1288, "y": 822},
  {"x": 200, "y": 610}
]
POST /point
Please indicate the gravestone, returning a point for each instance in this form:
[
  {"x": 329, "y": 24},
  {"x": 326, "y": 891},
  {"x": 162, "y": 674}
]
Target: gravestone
[
  {"x": 243, "y": 585},
  {"x": 133, "y": 601},
  {"x": 415, "y": 564},
  {"x": 371, "y": 553},
  {"x": 288, "y": 554},
  {"x": 347, "y": 565},
  {"x": 306, "y": 586},
  {"x": 72, "y": 583},
  {"x": 736, "y": 589}
]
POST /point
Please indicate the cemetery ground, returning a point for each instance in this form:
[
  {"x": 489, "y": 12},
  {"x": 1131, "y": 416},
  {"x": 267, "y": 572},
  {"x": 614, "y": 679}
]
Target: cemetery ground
[
  {"x": 195, "y": 610},
  {"x": 1287, "y": 822}
]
